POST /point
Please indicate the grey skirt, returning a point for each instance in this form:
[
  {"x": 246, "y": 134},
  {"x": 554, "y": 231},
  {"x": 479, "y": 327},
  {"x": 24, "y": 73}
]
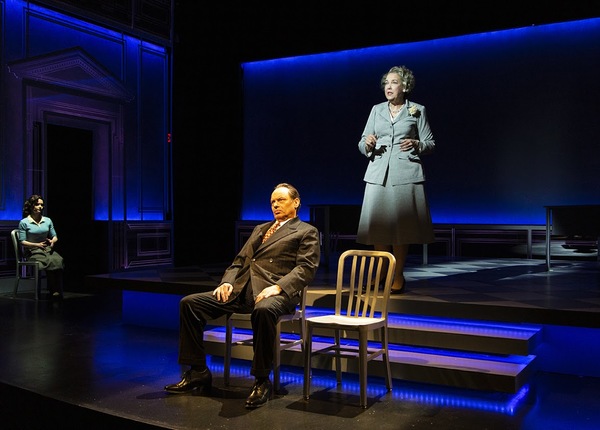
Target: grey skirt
[
  {"x": 47, "y": 258},
  {"x": 395, "y": 215}
]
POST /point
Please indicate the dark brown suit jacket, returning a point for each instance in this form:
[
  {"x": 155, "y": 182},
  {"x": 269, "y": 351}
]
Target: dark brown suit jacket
[{"x": 289, "y": 258}]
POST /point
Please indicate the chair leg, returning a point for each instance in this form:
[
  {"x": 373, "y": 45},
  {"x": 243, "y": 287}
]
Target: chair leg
[
  {"x": 362, "y": 367},
  {"x": 36, "y": 277},
  {"x": 16, "y": 286},
  {"x": 227, "y": 356},
  {"x": 277, "y": 359},
  {"x": 38, "y": 284},
  {"x": 338, "y": 359},
  {"x": 307, "y": 360},
  {"x": 386, "y": 359}
]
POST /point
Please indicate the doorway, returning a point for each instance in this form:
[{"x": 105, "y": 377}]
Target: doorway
[{"x": 69, "y": 202}]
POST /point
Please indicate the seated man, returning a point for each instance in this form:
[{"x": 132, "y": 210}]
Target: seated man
[{"x": 276, "y": 263}]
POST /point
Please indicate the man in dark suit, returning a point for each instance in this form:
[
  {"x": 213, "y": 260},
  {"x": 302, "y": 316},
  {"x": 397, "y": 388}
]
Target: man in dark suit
[{"x": 265, "y": 279}]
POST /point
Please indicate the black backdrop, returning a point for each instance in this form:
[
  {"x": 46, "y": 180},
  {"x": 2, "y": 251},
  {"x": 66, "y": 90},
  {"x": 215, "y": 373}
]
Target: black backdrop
[
  {"x": 212, "y": 42},
  {"x": 513, "y": 113}
]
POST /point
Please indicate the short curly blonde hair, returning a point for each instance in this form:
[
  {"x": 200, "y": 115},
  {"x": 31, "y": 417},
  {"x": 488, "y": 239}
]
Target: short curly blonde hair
[{"x": 406, "y": 75}]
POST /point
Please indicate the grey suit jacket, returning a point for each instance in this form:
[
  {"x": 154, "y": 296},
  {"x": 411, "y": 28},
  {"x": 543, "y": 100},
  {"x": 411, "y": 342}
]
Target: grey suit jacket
[
  {"x": 289, "y": 258},
  {"x": 402, "y": 167}
]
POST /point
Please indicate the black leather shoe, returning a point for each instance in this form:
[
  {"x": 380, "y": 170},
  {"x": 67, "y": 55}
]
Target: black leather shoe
[
  {"x": 260, "y": 394},
  {"x": 191, "y": 380}
]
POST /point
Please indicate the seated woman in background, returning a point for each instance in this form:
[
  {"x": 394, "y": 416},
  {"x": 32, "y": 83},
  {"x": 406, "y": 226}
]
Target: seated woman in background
[{"x": 38, "y": 237}]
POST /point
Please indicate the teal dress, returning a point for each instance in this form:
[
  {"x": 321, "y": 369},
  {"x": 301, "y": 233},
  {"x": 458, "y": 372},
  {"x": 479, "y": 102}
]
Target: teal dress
[{"x": 31, "y": 231}]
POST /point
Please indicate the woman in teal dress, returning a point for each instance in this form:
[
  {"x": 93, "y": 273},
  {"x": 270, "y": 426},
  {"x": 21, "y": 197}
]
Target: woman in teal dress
[{"x": 38, "y": 237}]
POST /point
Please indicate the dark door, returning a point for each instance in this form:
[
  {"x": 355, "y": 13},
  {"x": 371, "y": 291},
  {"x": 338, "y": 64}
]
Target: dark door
[{"x": 69, "y": 202}]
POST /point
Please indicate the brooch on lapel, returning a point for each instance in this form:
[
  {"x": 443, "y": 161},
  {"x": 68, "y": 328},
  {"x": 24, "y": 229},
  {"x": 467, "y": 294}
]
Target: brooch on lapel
[{"x": 414, "y": 111}]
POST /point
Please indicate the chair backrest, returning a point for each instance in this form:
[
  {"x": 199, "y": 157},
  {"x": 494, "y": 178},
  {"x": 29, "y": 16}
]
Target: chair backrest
[
  {"x": 360, "y": 274},
  {"x": 298, "y": 316},
  {"x": 17, "y": 245}
]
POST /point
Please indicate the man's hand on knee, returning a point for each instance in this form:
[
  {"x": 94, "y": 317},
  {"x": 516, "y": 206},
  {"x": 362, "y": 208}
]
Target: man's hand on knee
[
  {"x": 222, "y": 292},
  {"x": 273, "y": 290}
]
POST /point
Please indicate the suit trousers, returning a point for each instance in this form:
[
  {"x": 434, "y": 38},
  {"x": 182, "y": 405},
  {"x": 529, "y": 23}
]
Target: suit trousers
[{"x": 196, "y": 310}]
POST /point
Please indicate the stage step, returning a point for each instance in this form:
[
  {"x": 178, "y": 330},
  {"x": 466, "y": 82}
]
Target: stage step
[{"x": 451, "y": 352}]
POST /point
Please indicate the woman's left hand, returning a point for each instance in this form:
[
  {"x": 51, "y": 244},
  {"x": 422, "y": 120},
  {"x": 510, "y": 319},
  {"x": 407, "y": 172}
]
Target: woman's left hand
[{"x": 409, "y": 144}]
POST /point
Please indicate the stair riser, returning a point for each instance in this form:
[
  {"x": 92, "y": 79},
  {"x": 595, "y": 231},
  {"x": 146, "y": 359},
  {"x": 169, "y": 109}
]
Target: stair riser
[{"x": 483, "y": 379}]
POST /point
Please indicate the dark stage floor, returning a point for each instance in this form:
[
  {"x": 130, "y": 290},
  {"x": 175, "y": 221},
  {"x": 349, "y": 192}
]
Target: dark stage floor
[{"x": 76, "y": 364}]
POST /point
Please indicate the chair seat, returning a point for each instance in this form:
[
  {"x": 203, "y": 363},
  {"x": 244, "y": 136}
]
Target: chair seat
[
  {"x": 281, "y": 344},
  {"x": 247, "y": 317},
  {"x": 345, "y": 321}
]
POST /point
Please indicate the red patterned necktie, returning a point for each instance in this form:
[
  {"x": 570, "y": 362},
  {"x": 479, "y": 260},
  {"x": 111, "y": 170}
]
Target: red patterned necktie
[{"x": 270, "y": 231}]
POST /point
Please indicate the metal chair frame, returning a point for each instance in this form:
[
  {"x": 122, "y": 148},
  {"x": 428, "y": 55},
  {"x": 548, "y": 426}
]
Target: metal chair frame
[
  {"x": 365, "y": 314},
  {"x": 281, "y": 344},
  {"x": 25, "y": 270}
]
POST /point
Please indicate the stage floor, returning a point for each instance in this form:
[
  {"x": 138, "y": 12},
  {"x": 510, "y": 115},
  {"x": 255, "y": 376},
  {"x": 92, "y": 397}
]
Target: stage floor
[{"x": 76, "y": 364}]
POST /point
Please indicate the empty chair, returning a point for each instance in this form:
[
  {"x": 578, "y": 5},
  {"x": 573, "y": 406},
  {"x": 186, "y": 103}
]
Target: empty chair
[
  {"x": 360, "y": 308},
  {"x": 26, "y": 270},
  {"x": 281, "y": 344}
]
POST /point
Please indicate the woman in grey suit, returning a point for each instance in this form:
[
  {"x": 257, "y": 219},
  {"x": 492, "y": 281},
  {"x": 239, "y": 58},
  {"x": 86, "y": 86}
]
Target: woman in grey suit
[{"x": 395, "y": 212}]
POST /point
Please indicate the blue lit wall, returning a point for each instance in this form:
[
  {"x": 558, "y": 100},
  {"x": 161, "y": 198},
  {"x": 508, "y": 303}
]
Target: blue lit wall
[
  {"x": 514, "y": 114},
  {"x": 131, "y": 176}
]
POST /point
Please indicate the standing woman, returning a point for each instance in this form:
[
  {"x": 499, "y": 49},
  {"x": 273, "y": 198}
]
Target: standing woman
[
  {"x": 38, "y": 237},
  {"x": 395, "y": 212}
]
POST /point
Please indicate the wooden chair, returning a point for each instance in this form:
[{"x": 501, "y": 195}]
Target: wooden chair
[
  {"x": 281, "y": 344},
  {"x": 359, "y": 275},
  {"x": 25, "y": 270}
]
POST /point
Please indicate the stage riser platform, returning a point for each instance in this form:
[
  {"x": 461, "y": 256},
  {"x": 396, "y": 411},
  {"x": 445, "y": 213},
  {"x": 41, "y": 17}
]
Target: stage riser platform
[
  {"x": 449, "y": 351},
  {"x": 506, "y": 371},
  {"x": 423, "y": 368},
  {"x": 459, "y": 323}
]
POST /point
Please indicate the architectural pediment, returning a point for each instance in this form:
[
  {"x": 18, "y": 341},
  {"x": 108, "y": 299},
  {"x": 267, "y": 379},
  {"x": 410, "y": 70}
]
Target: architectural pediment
[{"x": 73, "y": 69}]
